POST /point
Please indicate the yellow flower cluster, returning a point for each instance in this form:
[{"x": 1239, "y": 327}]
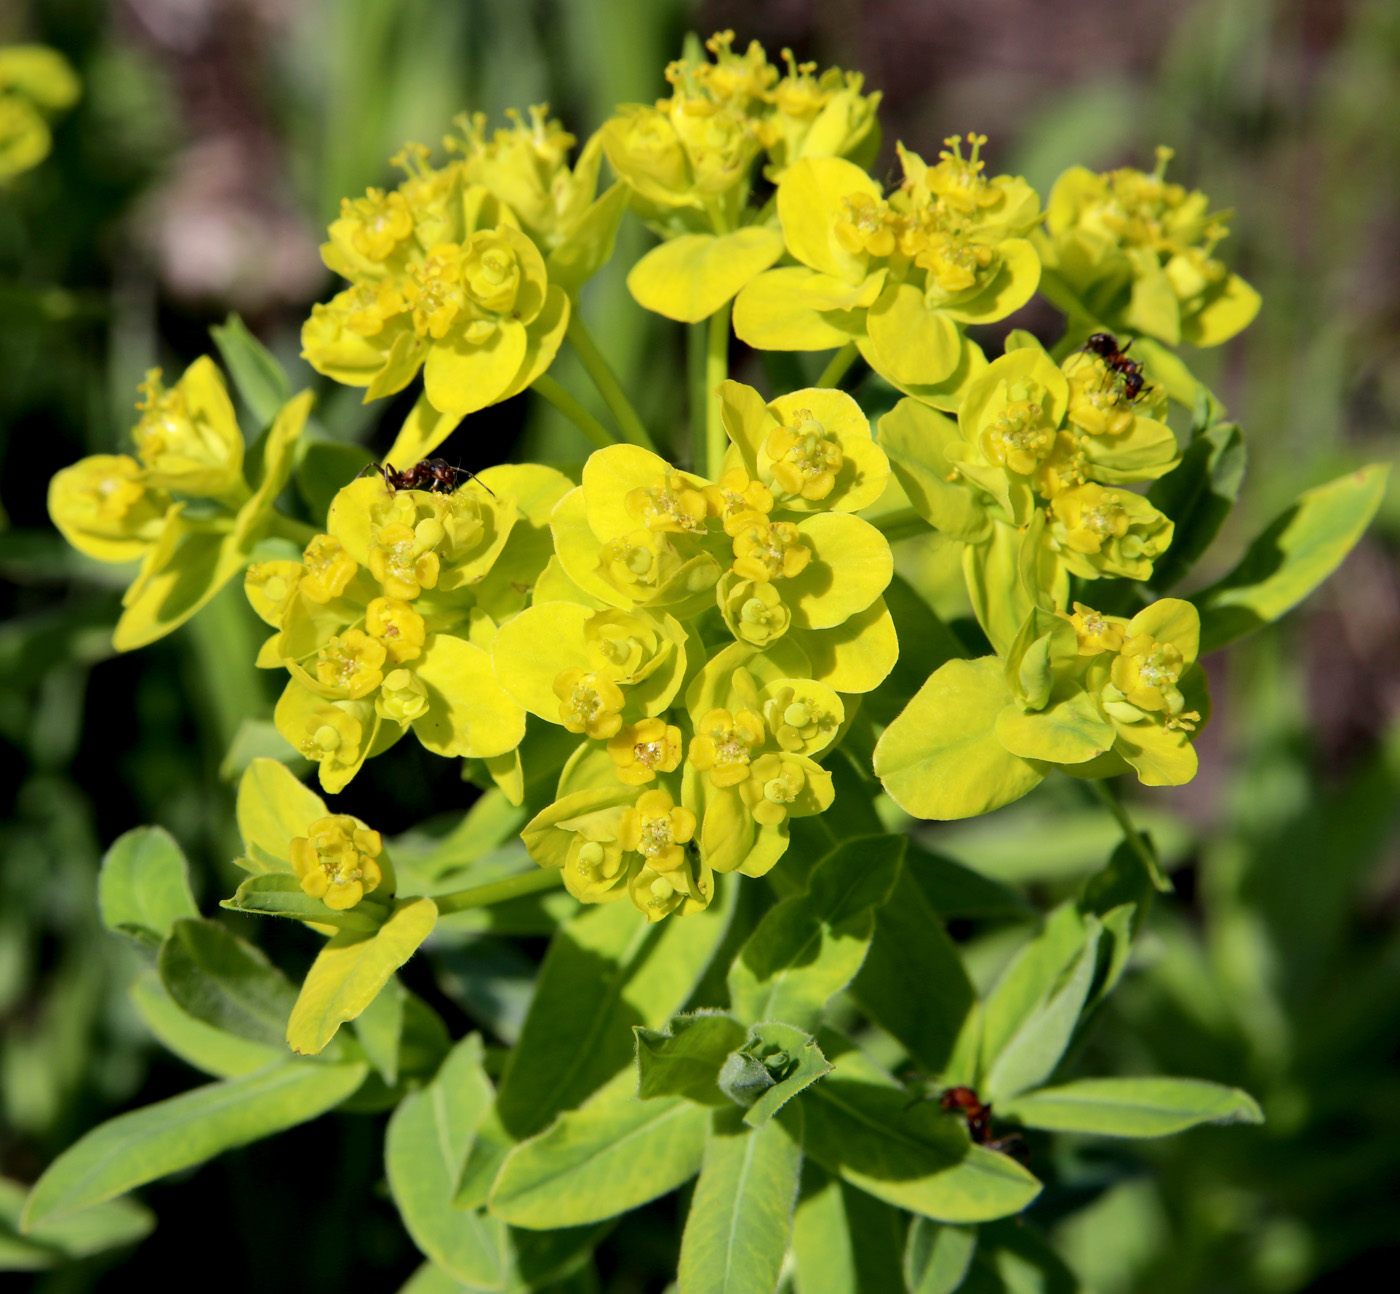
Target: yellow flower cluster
[
  {"x": 185, "y": 506},
  {"x": 676, "y": 647},
  {"x": 699, "y": 635},
  {"x": 35, "y": 83},
  {"x": 1134, "y": 252}
]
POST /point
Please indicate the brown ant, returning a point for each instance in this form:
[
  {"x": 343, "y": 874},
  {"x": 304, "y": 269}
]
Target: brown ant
[
  {"x": 435, "y": 474},
  {"x": 979, "y": 1122},
  {"x": 1105, "y": 346}
]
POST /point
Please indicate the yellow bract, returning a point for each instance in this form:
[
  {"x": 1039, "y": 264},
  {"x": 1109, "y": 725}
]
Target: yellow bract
[{"x": 35, "y": 83}]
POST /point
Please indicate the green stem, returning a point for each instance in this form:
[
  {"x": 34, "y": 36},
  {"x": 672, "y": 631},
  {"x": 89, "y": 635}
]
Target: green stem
[
  {"x": 1136, "y": 841},
  {"x": 483, "y": 896},
  {"x": 903, "y": 524},
  {"x": 838, "y": 366},
  {"x": 716, "y": 370},
  {"x": 298, "y": 532},
  {"x": 574, "y": 411},
  {"x": 606, "y": 381}
]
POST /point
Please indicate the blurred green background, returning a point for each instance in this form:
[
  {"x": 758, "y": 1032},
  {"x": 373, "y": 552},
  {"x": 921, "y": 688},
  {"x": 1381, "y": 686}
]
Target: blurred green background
[{"x": 213, "y": 142}]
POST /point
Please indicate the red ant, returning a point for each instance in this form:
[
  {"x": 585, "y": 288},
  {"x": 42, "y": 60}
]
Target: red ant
[
  {"x": 979, "y": 1121},
  {"x": 1105, "y": 346},
  {"x": 435, "y": 474}
]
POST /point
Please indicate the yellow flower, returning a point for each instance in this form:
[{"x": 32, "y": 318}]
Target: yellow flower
[
  {"x": 1098, "y": 531},
  {"x": 397, "y": 626},
  {"x": 105, "y": 509},
  {"x": 188, "y": 437},
  {"x": 754, "y": 611},
  {"x": 765, "y": 550},
  {"x": 778, "y": 782},
  {"x": 657, "y": 828},
  {"x": 1096, "y": 633},
  {"x": 805, "y": 459},
  {"x": 641, "y": 750},
  {"x": 402, "y": 558},
  {"x": 402, "y": 698},
  {"x": 799, "y": 724},
  {"x": 1021, "y": 434},
  {"x": 270, "y": 587},
  {"x": 335, "y": 860},
  {"x": 34, "y": 81},
  {"x": 352, "y": 664},
  {"x": 1146, "y": 673},
  {"x": 589, "y": 702},
  {"x": 377, "y": 224},
  {"x": 735, "y": 497},
  {"x": 724, "y": 744},
  {"x": 329, "y": 569},
  {"x": 672, "y": 505}
]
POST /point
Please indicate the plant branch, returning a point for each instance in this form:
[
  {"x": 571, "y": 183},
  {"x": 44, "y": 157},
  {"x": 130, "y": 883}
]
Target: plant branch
[
  {"x": 1137, "y": 842},
  {"x": 607, "y": 383},
  {"x": 483, "y": 896},
  {"x": 574, "y": 411},
  {"x": 716, "y": 370},
  {"x": 838, "y": 366}
]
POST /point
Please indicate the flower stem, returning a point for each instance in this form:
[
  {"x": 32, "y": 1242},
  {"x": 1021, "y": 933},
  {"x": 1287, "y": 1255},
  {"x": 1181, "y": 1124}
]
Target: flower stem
[
  {"x": 716, "y": 370},
  {"x": 838, "y": 366},
  {"x": 574, "y": 411},
  {"x": 282, "y": 527},
  {"x": 902, "y": 524},
  {"x": 606, "y": 381},
  {"x": 1136, "y": 841},
  {"x": 483, "y": 896}
]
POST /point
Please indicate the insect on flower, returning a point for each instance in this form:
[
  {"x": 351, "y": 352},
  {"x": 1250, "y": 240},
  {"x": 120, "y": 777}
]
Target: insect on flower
[
  {"x": 435, "y": 474},
  {"x": 1105, "y": 346}
]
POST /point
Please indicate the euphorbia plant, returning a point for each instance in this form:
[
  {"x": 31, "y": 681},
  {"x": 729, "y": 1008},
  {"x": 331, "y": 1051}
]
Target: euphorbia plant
[{"x": 694, "y": 690}]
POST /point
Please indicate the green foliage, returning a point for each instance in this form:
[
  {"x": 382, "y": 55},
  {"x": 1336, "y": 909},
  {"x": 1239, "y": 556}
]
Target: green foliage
[{"x": 800, "y": 966}]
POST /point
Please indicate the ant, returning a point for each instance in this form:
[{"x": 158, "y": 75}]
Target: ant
[
  {"x": 435, "y": 474},
  {"x": 1105, "y": 346},
  {"x": 979, "y": 1122}
]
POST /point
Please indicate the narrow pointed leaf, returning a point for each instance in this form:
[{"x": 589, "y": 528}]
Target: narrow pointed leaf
[
  {"x": 1132, "y": 1107},
  {"x": 163, "y": 1138},
  {"x": 425, "y": 1148},
  {"x": 938, "y": 1256},
  {"x": 216, "y": 977},
  {"x": 811, "y": 946},
  {"x": 741, "y": 1213},
  {"x": 613, "y": 1153}
]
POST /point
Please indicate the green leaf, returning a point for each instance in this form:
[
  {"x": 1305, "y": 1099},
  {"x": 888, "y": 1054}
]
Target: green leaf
[
  {"x": 1299, "y": 550},
  {"x": 144, "y": 885},
  {"x": 953, "y": 890},
  {"x": 774, "y": 1065},
  {"x": 612, "y": 1154},
  {"x": 104, "y": 1226},
  {"x": 913, "y": 983},
  {"x": 937, "y": 1256},
  {"x": 606, "y": 972},
  {"x": 350, "y": 972},
  {"x": 325, "y": 469},
  {"x": 1132, "y": 1107},
  {"x": 940, "y": 758},
  {"x": 860, "y": 1123},
  {"x": 736, "y": 1232},
  {"x": 379, "y": 1027},
  {"x": 216, "y": 977},
  {"x": 163, "y": 1138},
  {"x": 223, "y": 1055},
  {"x": 1034, "y": 1049},
  {"x": 810, "y": 946},
  {"x": 278, "y": 894},
  {"x": 1029, "y": 978},
  {"x": 843, "y": 1240},
  {"x": 1197, "y": 496},
  {"x": 261, "y": 382},
  {"x": 273, "y": 808},
  {"x": 685, "y": 1058},
  {"x": 914, "y": 622},
  {"x": 425, "y": 1149}
]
